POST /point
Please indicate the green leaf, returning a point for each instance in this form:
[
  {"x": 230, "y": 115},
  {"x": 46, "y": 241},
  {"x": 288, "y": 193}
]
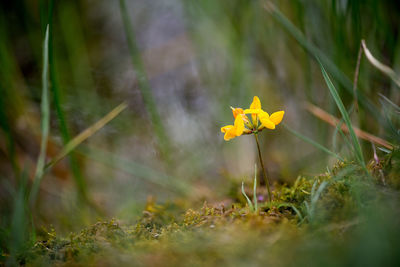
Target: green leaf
[
  {"x": 45, "y": 119},
  {"x": 255, "y": 189},
  {"x": 312, "y": 142},
  {"x": 247, "y": 198},
  {"x": 345, "y": 115}
]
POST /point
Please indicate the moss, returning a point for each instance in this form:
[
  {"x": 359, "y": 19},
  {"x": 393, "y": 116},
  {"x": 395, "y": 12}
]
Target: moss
[{"x": 215, "y": 234}]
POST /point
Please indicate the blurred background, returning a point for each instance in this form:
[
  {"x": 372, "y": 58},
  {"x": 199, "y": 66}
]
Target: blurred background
[{"x": 187, "y": 63}]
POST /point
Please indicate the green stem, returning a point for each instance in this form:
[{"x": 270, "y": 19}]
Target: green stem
[
  {"x": 263, "y": 181},
  {"x": 144, "y": 84}
]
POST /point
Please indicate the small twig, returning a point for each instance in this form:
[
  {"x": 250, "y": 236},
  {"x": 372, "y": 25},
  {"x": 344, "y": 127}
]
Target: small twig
[{"x": 332, "y": 120}]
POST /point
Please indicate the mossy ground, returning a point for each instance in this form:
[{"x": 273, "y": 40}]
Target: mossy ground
[{"x": 331, "y": 219}]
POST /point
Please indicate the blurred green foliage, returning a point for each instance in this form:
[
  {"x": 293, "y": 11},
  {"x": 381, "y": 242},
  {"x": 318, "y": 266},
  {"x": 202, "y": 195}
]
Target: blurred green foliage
[{"x": 179, "y": 65}]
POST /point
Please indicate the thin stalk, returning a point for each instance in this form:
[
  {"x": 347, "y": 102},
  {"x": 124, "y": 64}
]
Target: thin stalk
[
  {"x": 45, "y": 120},
  {"x": 56, "y": 90},
  {"x": 356, "y": 73},
  {"x": 263, "y": 181},
  {"x": 144, "y": 84}
]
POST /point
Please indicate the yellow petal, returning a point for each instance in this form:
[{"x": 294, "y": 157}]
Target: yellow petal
[
  {"x": 277, "y": 117},
  {"x": 239, "y": 125},
  {"x": 229, "y": 134},
  {"x": 252, "y": 111},
  {"x": 265, "y": 120},
  {"x": 268, "y": 124},
  {"x": 226, "y": 128},
  {"x": 263, "y": 114},
  {"x": 237, "y": 111},
  {"x": 256, "y": 104}
]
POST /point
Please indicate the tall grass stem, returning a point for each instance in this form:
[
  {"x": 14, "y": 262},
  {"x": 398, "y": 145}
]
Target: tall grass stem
[
  {"x": 144, "y": 84},
  {"x": 345, "y": 115},
  {"x": 45, "y": 120}
]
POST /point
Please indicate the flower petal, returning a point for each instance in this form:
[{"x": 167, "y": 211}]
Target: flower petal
[
  {"x": 229, "y": 134},
  {"x": 226, "y": 128},
  {"x": 277, "y": 117},
  {"x": 263, "y": 115},
  {"x": 256, "y": 104},
  {"x": 265, "y": 120},
  {"x": 252, "y": 111},
  {"x": 239, "y": 126},
  {"x": 268, "y": 124},
  {"x": 237, "y": 111}
]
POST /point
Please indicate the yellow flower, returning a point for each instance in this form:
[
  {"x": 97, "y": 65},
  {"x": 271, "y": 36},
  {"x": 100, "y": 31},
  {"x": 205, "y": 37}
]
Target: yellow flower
[
  {"x": 255, "y": 105},
  {"x": 231, "y": 131},
  {"x": 265, "y": 120},
  {"x": 260, "y": 120},
  {"x": 237, "y": 111}
]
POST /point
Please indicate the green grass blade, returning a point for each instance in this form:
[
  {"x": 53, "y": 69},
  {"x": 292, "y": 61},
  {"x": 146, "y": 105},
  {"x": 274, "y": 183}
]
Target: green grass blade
[
  {"x": 86, "y": 134},
  {"x": 57, "y": 100},
  {"x": 292, "y": 207},
  {"x": 247, "y": 198},
  {"x": 255, "y": 188},
  {"x": 318, "y": 54},
  {"x": 137, "y": 170},
  {"x": 312, "y": 142},
  {"x": 143, "y": 82},
  {"x": 344, "y": 137},
  {"x": 345, "y": 115},
  {"x": 391, "y": 103},
  {"x": 45, "y": 120},
  {"x": 338, "y": 129},
  {"x": 391, "y": 111}
]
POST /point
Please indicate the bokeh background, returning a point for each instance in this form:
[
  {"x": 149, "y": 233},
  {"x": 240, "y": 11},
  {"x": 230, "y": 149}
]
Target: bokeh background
[{"x": 200, "y": 58}]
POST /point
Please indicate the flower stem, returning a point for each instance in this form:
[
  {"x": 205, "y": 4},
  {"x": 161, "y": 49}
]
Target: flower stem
[{"x": 264, "y": 180}]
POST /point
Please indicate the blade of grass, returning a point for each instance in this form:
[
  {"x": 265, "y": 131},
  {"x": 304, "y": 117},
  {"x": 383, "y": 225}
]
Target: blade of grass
[
  {"x": 338, "y": 129},
  {"x": 144, "y": 83},
  {"x": 298, "y": 213},
  {"x": 355, "y": 82},
  {"x": 394, "y": 106},
  {"x": 345, "y": 115},
  {"x": 380, "y": 66},
  {"x": 387, "y": 151},
  {"x": 247, "y": 198},
  {"x": 312, "y": 142},
  {"x": 318, "y": 54},
  {"x": 71, "y": 30},
  {"x": 389, "y": 112},
  {"x": 77, "y": 140},
  {"x": 255, "y": 188},
  {"x": 45, "y": 120},
  {"x": 137, "y": 170},
  {"x": 55, "y": 87}
]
